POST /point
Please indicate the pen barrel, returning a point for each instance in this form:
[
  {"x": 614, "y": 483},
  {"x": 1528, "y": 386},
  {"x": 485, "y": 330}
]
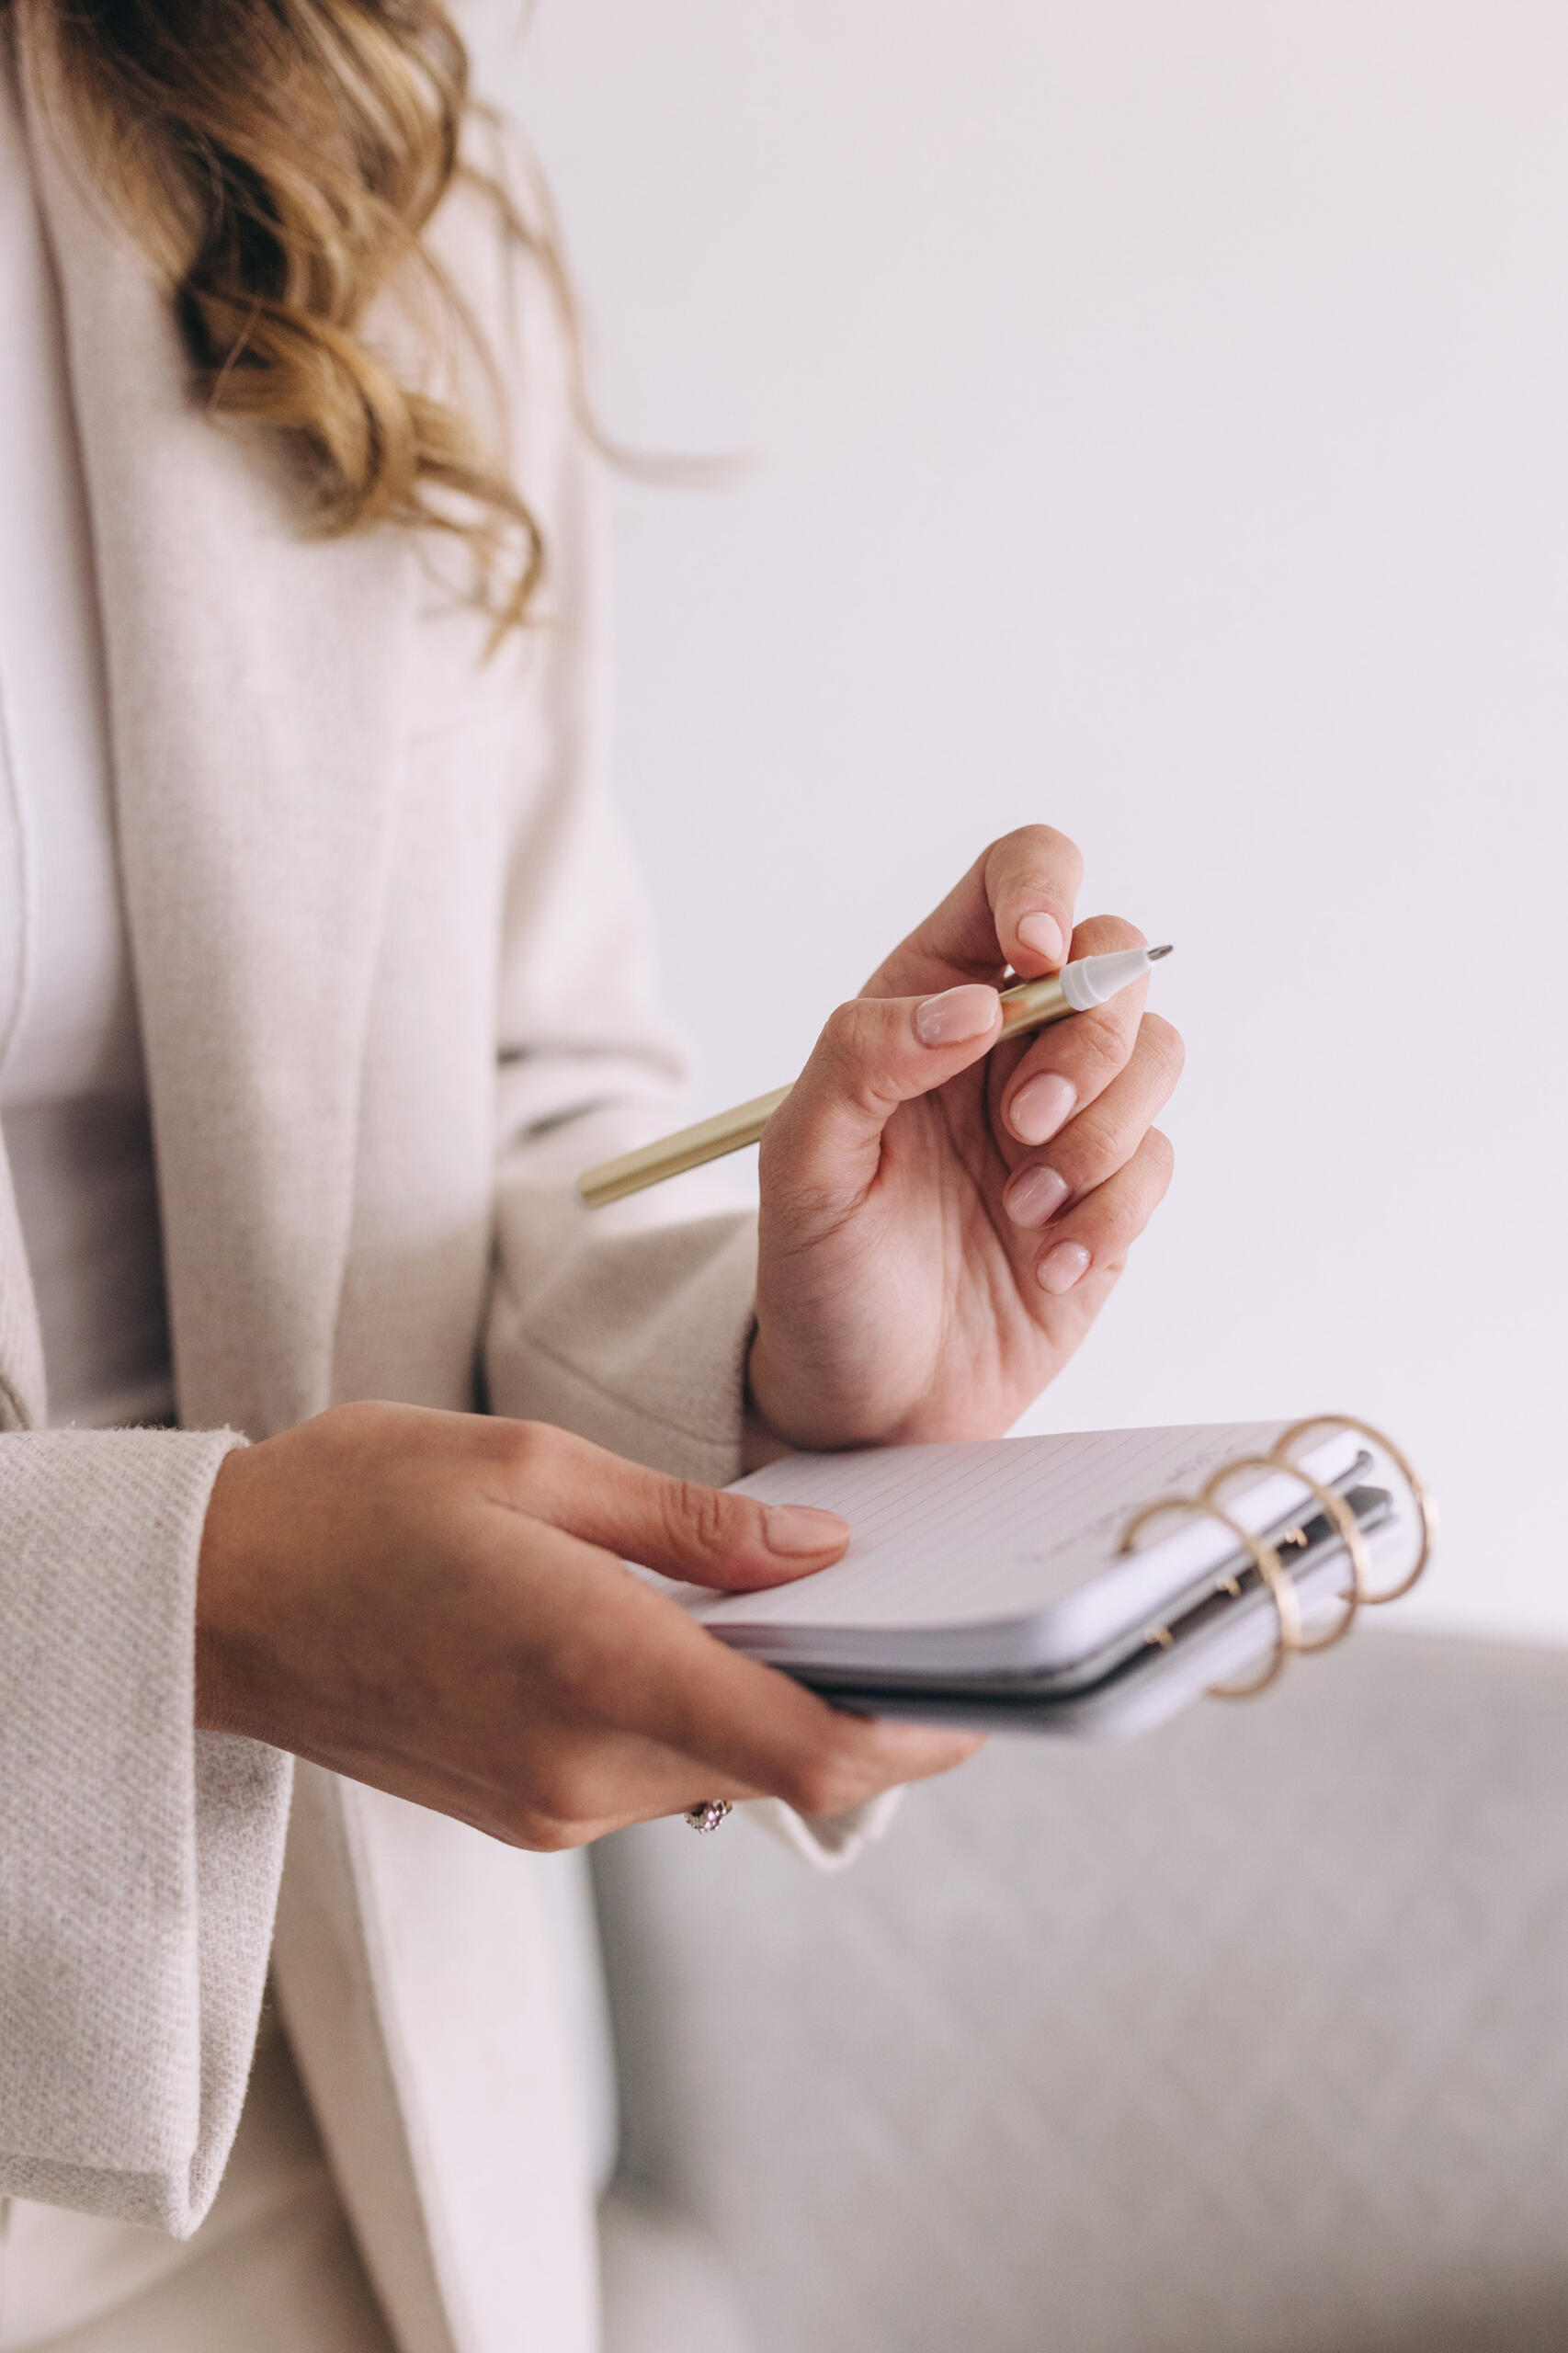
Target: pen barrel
[
  {"x": 672, "y": 1155},
  {"x": 1028, "y": 1006},
  {"x": 1032, "y": 1003}
]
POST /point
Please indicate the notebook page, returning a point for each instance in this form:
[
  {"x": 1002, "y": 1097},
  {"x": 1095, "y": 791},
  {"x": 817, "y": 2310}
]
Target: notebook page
[{"x": 997, "y": 1528}]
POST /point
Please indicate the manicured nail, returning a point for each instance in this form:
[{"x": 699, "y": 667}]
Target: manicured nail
[
  {"x": 1043, "y": 934},
  {"x": 1035, "y": 1195},
  {"x": 795, "y": 1529},
  {"x": 1038, "y": 1109},
  {"x": 1062, "y": 1267},
  {"x": 957, "y": 1013}
]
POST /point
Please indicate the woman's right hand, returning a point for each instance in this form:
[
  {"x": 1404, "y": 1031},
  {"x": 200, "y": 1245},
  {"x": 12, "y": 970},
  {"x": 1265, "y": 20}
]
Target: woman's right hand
[{"x": 437, "y": 1604}]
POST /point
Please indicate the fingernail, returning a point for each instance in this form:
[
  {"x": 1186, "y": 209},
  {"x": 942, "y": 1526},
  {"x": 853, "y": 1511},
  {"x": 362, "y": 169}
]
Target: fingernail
[
  {"x": 1035, "y": 1195},
  {"x": 957, "y": 1013},
  {"x": 1041, "y": 1107},
  {"x": 1043, "y": 934},
  {"x": 1064, "y": 1265},
  {"x": 794, "y": 1529}
]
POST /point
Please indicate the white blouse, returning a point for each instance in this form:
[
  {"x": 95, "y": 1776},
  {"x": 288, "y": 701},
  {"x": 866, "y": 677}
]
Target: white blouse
[{"x": 273, "y": 2263}]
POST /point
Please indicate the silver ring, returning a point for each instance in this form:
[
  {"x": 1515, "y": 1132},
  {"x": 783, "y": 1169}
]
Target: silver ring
[{"x": 709, "y": 1815}]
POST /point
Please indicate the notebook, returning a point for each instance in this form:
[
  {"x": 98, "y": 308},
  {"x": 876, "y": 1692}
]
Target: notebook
[{"x": 1090, "y": 1582}]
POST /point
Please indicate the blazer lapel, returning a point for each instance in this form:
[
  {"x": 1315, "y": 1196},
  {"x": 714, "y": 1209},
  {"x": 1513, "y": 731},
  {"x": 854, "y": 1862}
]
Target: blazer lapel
[{"x": 257, "y": 681}]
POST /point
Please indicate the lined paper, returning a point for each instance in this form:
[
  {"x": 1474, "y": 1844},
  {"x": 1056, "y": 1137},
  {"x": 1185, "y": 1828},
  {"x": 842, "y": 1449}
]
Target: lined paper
[{"x": 953, "y": 1534}]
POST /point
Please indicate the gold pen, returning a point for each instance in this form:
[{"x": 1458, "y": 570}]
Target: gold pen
[{"x": 1076, "y": 988}]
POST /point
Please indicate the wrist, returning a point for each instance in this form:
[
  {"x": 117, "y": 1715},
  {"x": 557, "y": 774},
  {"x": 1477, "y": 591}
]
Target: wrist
[
  {"x": 761, "y": 1442},
  {"x": 221, "y": 1577}
]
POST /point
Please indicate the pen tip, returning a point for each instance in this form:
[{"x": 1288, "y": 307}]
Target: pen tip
[{"x": 1155, "y": 953}]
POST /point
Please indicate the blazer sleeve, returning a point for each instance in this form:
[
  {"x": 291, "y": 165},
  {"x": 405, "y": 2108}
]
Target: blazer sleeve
[{"x": 138, "y": 1858}]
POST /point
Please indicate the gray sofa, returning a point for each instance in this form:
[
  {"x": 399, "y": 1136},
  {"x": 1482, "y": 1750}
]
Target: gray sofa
[{"x": 1249, "y": 2038}]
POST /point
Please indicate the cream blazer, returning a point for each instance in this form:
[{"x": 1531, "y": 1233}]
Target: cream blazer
[{"x": 393, "y": 990}]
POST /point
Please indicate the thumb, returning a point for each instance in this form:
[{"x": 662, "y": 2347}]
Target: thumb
[
  {"x": 875, "y": 1053},
  {"x": 704, "y": 1535}
]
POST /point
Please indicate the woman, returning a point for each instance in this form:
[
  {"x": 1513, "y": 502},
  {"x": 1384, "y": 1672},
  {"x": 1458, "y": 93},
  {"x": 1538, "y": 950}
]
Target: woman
[{"x": 321, "y": 976}]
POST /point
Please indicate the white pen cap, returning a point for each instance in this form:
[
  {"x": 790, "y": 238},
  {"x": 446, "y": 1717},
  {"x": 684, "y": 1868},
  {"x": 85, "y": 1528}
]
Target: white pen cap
[{"x": 1095, "y": 978}]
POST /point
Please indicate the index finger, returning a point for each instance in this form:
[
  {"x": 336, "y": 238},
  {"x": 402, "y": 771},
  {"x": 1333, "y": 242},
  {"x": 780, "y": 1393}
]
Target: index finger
[
  {"x": 752, "y": 1728},
  {"x": 699, "y": 1534},
  {"x": 1081, "y": 1057},
  {"x": 1014, "y": 906}
]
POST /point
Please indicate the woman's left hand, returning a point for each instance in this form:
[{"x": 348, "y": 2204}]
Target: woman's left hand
[{"x": 941, "y": 1224}]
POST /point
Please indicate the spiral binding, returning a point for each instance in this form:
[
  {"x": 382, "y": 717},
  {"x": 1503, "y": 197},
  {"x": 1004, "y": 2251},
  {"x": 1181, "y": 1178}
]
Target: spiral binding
[{"x": 1264, "y": 1557}]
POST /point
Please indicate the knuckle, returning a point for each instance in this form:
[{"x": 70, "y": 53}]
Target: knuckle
[
  {"x": 1100, "y": 935},
  {"x": 560, "y": 1797},
  {"x": 543, "y": 1834},
  {"x": 830, "y": 1779},
  {"x": 1100, "y": 1050},
  {"x": 855, "y": 1043},
  {"x": 1163, "y": 1042},
  {"x": 844, "y": 1032},
  {"x": 806, "y": 1787},
  {"x": 1032, "y": 845},
  {"x": 528, "y": 1447},
  {"x": 845, "y": 1042},
  {"x": 365, "y": 1425},
  {"x": 697, "y": 1519}
]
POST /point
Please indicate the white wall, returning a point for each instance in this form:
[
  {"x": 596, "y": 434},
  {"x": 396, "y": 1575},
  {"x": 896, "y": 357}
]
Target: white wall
[{"x": 1161, "y": 417}]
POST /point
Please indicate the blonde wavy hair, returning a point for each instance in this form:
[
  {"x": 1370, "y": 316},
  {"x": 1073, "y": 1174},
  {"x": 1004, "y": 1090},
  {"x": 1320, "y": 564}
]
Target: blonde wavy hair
[{"x": 279, "y": 162}]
